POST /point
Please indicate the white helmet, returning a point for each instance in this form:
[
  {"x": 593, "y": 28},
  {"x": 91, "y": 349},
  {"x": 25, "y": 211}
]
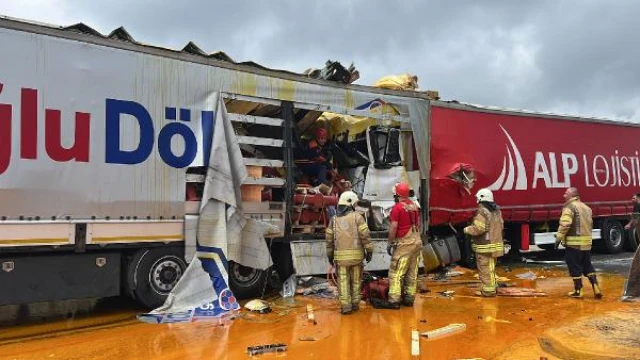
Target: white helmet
[
  {"x": 348, "y": 198},
  {"x": 484, "y": 195}
]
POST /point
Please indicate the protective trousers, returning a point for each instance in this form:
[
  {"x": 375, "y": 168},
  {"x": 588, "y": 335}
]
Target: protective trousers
[
  {"x": 579, "y": 264},
  {"x": 487, "y": 274},
  {"x": 633, "y": 283},
  {"x": 349, "y": 287},
  {"x": 403, "y": 270}
]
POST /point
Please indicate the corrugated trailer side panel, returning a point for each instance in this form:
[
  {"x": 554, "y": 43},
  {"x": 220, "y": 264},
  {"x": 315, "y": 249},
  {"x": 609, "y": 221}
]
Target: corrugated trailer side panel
[{"x": 529, "y": 161}]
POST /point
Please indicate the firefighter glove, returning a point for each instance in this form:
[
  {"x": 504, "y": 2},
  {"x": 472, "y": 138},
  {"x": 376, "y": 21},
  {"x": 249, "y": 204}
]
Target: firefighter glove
[
  {"x": 391, "y": 248},
  {"x": 558, "y": 241},
  {"x": 368, "y": 255}
]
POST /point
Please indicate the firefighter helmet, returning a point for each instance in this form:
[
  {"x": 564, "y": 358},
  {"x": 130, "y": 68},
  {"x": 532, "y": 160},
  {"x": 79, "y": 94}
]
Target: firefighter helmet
[
  {"x": 348, "y": 198},
  {"x": 401, "y": 189},
  {"x": 484, "y": 195}
]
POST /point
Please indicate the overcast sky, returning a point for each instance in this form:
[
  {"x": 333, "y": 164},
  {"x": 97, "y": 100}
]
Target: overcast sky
[{"x": 579, "y": 57}]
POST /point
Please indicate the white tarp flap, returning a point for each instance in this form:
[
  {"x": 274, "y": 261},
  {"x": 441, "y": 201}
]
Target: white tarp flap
[
  {"x": 203, "y": 290},
  {"x": 379, "y": 183}
]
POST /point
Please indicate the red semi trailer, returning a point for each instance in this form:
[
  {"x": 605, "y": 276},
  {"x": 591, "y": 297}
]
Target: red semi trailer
[{"x": 528, "y": 160}]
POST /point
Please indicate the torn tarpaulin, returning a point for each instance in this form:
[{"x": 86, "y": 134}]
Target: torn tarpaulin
[{"x": 203, "y": 291}]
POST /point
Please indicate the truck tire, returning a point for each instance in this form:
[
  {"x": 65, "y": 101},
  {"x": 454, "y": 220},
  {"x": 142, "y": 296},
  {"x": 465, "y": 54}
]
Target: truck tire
[
  {"x": 612, "y": 236},
  {"x": 246, "y": 282},
  {"x": 632, "y": 241},
  {"x": 151, "y": 274}
]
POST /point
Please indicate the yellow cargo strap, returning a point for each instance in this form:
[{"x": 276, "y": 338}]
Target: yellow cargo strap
[
  {"x": 487, "y": 248},
  {"x": 348, "y": 255},
  {"x": 578, "y": 240}
]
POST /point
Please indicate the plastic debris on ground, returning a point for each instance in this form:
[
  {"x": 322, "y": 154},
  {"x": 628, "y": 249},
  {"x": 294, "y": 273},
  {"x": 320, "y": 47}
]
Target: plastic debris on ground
[
  {"x": 259, "y": 306},
  {"x": 263, "y": 349},
  {"x": 492, "y": 319},
  {"x": 444, "y": 331},
  {"x": 447, "y": 293},
  {"x": 529, "y": 275},
  {"x": 289, "y": 287},
  {"x": 317, "y": 287},
  {"x": 520, "y": 292}
]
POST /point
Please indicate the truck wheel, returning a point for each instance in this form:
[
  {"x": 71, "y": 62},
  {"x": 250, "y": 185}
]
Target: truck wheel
[
  {"x": 152, "y": 274},
  {"x": 246, "y": 282},
  {"x": 612, "y": 236},
  {"x": 632, "y": 240}
]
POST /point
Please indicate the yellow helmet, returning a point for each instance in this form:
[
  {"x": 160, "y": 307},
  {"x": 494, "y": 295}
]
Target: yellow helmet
[{"x": 348, "y": 198}]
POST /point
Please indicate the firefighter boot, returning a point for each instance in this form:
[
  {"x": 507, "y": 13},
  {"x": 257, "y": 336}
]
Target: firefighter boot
[
  {"x": 577, "y": 293},
  {"x": 346, "y": 310},
  {"x": 384, "y": 304},
  {"x": 407, "y": 301},
  {"x": 594, "y": 284}
]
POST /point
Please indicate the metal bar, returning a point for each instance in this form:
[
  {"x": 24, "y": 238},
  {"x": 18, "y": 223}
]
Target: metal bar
[
  {"x": 263, "y": 162},
  {"x": 264, "y": 181},
  {"x": 288, "y": 117},
  {"x": 87, "y": 221},
  {"x": 252, "y": 140},
  {"x": 250, "y": 119}
]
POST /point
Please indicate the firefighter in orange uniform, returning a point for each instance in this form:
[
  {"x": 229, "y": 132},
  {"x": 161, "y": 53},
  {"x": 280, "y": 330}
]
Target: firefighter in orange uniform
[
  {"x": 574, "y": 233},
  {"x": 487, "y": 242},
  {"x": 348, "y": 244},
  {"x": 404, "y": 244}
]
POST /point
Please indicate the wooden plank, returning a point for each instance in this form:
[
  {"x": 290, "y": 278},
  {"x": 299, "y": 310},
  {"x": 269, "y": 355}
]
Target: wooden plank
[
  {"x": 197, "y": 178},
  {"x": 263, "y": 162},
  {"x": 250, "y": 119},
  {"x": 264, "y": 181},
  {"x": 252, "y": 140}
]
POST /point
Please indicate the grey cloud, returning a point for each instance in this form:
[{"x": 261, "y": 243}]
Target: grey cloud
[{"x": 566, "y": 56}]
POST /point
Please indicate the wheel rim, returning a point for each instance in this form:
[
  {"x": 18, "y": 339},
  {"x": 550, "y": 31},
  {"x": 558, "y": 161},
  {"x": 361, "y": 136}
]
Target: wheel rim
[
  {"x": 244, "y": 275},
  {"x": 165, "y": 273},
  {"x": 615, "y": 237}
]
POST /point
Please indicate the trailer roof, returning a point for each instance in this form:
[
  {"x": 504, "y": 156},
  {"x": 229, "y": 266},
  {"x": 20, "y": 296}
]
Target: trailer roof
[
  {"x": 120, "y": 38},
  {"x": 519, "y": 112}
]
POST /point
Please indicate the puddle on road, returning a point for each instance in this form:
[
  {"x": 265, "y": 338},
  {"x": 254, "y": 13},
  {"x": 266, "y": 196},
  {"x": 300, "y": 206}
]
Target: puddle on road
[{"x": 497, "y": 328}]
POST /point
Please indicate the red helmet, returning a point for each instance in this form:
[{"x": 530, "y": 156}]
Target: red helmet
[
  {"x": 321, "y": 133},
  {"x": 401, "y": 189}
]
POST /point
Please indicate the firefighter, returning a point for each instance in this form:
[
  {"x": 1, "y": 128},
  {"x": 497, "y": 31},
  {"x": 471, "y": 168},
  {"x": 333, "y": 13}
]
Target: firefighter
[
  {"x": 348, "y": 243},
  {"x": 487, "y": 242},
  {"x": 632, "y": 291},
  {"x": 314, "y": 159},
  {"x": 574, "y": 233},
  {"x": 404, "y": 244}
]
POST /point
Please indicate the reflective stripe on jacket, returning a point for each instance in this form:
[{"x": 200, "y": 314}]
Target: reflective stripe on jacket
[
  {"x": 486, "y": 232},
  {"x": 347, "y": 237},
  {"x": 576, "y": 225}
]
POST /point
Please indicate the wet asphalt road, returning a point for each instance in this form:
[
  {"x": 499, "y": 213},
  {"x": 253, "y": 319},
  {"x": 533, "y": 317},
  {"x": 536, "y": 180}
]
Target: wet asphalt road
[
  {"x": 609, "y": 263},
  {"x": 11, "y": 316},
  {"x": 498, "y": 328}
]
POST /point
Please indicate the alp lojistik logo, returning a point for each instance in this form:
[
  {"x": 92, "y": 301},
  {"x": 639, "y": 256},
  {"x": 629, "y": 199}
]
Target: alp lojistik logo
[{"x": 513, "y": 170}]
